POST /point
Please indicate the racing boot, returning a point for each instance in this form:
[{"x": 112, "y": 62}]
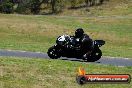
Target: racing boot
[{"x": 85, "y": 56}]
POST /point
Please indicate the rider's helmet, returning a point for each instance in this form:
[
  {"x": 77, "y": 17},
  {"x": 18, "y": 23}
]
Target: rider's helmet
[{"x": 79, "y": 32}]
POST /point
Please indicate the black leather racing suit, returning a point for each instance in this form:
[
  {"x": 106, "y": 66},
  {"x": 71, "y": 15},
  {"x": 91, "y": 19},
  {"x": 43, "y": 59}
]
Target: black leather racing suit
[{"x": 86, "y": 43}]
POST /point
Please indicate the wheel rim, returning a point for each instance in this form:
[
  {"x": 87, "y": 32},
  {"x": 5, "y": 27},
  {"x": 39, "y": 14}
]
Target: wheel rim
[{"x": 96, "y": 55}]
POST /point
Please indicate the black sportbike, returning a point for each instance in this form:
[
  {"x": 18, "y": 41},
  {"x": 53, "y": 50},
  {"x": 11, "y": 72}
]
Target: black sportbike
[{"x": 66, "y": 47}]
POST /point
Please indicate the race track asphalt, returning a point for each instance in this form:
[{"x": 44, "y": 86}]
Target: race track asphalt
[{"x": 104, "y": 60}]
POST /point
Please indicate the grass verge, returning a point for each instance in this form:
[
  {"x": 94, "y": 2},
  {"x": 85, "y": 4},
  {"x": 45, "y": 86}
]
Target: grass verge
[
  {"x": 110, "y": 8},
  {"x": 38, "y": 33},
  {"x": 39, "y": 73}
]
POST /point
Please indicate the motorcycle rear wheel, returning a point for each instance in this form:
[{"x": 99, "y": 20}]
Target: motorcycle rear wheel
[{"x": 94, "y": 56}]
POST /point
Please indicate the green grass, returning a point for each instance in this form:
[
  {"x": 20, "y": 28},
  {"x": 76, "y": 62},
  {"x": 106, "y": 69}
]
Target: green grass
[
  {"x": 38, "y": 33},
  {"x": 111, "y": 8},
  {"x": 39, "y": 73}
]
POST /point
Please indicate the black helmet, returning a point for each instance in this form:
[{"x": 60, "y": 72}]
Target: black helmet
[{"x": 79, "y": 32}]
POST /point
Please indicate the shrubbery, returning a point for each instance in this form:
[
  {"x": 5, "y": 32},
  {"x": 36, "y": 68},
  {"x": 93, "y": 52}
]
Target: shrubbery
[
  {"x": 23, "y": 7},
  {"x": 34, "y": 6},
  {"x": 6, "y": 6}
]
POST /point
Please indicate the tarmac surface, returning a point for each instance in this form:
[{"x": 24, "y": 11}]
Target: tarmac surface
[{"x": 104, "y": 60}]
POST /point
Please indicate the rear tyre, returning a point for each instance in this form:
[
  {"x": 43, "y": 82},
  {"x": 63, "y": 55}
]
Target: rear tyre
[
  {"x": 53, "y": 53},
  {"x": 94, "y": 56}
]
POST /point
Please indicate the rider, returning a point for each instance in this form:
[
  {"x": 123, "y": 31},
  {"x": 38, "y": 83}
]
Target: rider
[{"x": 86, "y": 43}]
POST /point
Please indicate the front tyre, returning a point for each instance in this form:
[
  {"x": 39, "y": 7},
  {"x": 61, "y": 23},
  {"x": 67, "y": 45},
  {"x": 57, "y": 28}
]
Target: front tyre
[
  {"x": 53, "y": 53},
  {"x": 95, "y": 55}
]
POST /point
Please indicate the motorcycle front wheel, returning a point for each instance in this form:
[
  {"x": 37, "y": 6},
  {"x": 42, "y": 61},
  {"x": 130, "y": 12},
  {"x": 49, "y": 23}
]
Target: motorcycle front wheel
[{"x": 53, "y": 53}]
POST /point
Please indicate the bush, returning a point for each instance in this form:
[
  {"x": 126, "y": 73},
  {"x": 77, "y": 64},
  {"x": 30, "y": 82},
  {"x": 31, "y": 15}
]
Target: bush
[
  {"x": 59, "y": 5},
  {"x": 73, "y": 3},
  {"x": 24, "y": 7},
  {"x": 35, "y": 6},
  {"x": 6, "y": 7}
]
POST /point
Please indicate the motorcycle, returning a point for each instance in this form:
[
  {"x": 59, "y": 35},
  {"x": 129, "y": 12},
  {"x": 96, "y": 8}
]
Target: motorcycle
[{"x": 66, "y": 46}]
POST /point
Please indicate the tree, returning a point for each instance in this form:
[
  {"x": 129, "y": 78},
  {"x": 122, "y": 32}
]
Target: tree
[
  {"x": 90, "y": 2},
  {"x": 30, "y": 6},
  {"x": 73, "y": 3},
  {"x": 101, "y": 1},
  {"x": 23, "y": 7},
  {"x": 93, "y": 2},
  {"x": 87, "y": 2},
  {"x": 6, "y": 6},
  {"x": 57, "y": 5},
  {"x": 53, "y": 3},
  {"x": 35, "y": 6}
]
